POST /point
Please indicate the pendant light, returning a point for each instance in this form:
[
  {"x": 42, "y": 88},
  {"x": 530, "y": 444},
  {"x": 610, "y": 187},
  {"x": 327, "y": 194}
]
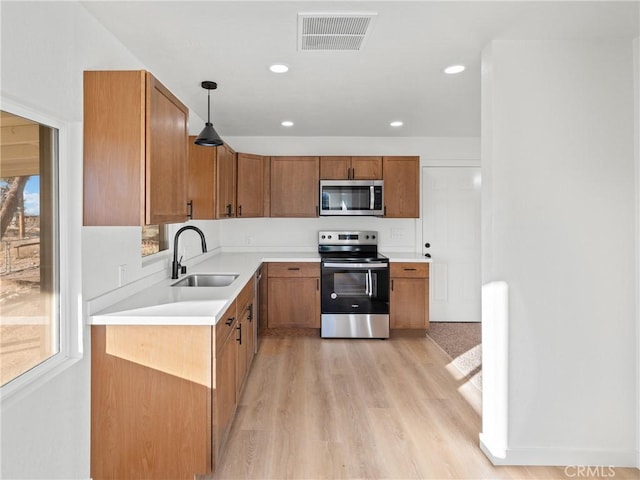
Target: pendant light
[{"x": 209, "y": 137}]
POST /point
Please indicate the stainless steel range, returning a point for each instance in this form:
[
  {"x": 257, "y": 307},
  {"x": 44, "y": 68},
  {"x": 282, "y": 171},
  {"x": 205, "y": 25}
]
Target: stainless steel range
[{"x": 354, "y": 286}]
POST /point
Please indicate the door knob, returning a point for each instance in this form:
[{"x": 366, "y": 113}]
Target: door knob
[
  {"x": 427, "y": 245},
  {"x": 428, "y": 255}
]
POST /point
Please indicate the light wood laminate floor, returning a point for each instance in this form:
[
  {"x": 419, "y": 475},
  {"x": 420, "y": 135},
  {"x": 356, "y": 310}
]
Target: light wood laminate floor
[{"x": 361, "y": 409}]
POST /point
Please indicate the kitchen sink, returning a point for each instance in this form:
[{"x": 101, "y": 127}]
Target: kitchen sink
[{"x": 206, "y": 280}]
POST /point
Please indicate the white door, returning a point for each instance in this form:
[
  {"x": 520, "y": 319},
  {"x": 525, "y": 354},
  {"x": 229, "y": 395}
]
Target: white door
[{"x": 451, "y": 229}]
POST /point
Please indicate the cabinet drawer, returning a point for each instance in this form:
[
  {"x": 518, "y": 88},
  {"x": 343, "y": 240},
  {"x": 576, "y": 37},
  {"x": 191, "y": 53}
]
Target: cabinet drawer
[
  {"x": 292, "y": 269},
  {"x": 225, "y": 326},
  {"x": 409, "y": 269},
  {"x": 245, "y": 297}
]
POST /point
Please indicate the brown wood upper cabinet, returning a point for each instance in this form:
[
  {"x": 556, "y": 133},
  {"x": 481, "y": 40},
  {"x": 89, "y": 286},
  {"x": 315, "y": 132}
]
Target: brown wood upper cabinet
[
  {"x": 135, "y": 150},
  {"x": 350, "y": 168},
  {"x": 202, "y": 174},
  {"x": 294, "y": 186},
  {"x": 225, "y": 190},
  {"x": 235, "y": 183},
  {"x": 252, "y": 188},
  {"x": 401, "y": 177}
]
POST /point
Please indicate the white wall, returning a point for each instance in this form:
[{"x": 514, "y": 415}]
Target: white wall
[
  {"x": 45, "y": 48},
  {"x": 636, "y": 56},
  {"x": 559, "y": 229}
]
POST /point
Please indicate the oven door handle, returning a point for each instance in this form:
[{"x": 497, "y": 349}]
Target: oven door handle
[
  {"x": 370, "y": 282},
  {"x": 354, "y": 266},
  {"x": 367, "y": 280}
]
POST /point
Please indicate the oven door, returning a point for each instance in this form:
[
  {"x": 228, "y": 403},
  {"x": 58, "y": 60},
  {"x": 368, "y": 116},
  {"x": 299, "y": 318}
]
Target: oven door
[{"x": 355, "y": 287}]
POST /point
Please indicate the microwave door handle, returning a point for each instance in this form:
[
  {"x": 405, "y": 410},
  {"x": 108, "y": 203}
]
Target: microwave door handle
[{"x": 372, "y": 197}]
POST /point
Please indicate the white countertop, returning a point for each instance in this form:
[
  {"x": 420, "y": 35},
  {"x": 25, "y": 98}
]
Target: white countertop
[
  {"x": 163, "y": 304},
  {"x": 406, "y": 257}
]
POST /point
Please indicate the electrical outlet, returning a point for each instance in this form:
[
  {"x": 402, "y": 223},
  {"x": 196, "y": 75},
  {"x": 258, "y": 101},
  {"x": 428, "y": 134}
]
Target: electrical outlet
[
  {"x": 122, "y": 270},
  {"x": 249, "y": 240},
  {"x": 397, "y": 233}
]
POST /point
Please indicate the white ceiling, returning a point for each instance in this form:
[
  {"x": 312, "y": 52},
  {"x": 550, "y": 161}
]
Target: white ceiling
[{"x": 397, "y": 76}]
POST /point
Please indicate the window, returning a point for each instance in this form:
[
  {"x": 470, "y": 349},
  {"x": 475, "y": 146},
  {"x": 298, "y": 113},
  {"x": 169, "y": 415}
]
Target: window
[
  {"x": 29, "y": 303},
  {"x": 154, "y": 239},
  {"x": 35, "y": 341}
]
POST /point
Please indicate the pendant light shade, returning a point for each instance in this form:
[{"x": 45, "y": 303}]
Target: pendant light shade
[{"x": 209, "y": 137}]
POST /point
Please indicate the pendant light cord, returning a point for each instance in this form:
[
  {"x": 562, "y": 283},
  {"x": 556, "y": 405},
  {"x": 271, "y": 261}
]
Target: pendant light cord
[{"x": 208, "y": 106}]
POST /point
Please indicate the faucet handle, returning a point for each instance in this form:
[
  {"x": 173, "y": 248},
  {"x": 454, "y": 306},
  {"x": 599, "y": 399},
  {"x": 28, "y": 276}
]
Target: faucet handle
[{"x": 182, "y": 268}]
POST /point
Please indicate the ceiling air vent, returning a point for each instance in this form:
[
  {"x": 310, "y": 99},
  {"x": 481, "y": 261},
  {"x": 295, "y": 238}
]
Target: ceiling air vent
[{"x": 333, "y": 31}]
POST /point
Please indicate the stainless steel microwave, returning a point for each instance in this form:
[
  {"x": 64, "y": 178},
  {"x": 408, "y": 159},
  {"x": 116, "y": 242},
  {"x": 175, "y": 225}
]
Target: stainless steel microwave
[{"x": 352, "y": 197}]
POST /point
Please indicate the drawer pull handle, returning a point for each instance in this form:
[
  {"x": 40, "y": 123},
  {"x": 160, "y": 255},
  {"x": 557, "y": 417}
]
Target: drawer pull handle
[
  {"x": 229, "y": 321},
  {"x": 293, "y": 268},
  {"x": 409, "y": 269}
]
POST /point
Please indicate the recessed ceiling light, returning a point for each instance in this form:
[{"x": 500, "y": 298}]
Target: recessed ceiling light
[
  {"x": 279, "y": 68},
  {"x": 287, "y": 123},
  {"x": 396, "y": 123},
  {"x": 454, "y": 69}
]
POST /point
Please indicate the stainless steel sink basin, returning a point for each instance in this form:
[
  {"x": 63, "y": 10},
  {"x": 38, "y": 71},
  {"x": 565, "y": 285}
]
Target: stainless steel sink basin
[{"x": 206, "y": 280}]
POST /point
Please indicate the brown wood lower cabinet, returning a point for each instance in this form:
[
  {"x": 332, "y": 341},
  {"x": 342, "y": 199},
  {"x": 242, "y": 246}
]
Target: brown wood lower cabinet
[
  {"x": 409, "y": 299},
  {"x": 293, "y": 295},
  {"x": 163, "y": 398}
]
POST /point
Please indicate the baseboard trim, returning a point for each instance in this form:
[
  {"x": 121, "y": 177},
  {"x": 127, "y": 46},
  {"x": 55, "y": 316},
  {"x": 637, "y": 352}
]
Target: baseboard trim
[{"x": 562, "y": 457}]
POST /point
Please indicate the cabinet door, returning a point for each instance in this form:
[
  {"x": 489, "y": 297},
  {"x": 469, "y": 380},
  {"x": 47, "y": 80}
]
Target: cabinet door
[
  {"x": 241, "y": 338},
  {"x": 166, "y": 156},
  {"x": 366, "y": 168},
  {"x": 294, "y": 302},
  {"x": 135, "y": 150},
  {"x": 401, "y": 186},
  {"x": 409, "y": 303},
  {"x": 250, "y": 335},
  {"x": 334, "y": 168},
  {"x": 224, "y": 408},
  {"x": 224, "y": 404},
  {"x": 114, "y": 109},
  {"x": 294, "y": 186},
  {"x": 350, "y": 168},
  {"x": 251, "y": 183},
  {"x": 201, "y": 181},
  {"x": 225, "y": 182},
  {"x": 245, "y": 338}
]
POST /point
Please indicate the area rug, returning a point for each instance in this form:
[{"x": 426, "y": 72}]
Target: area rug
[{"x": 462, "y": 343}]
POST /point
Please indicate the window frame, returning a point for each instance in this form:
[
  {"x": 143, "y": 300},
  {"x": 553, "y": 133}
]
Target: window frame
[{"x": 67, "y": 267}]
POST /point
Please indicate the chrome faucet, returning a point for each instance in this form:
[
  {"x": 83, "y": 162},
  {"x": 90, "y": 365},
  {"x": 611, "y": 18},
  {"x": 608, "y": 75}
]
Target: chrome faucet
[{"x": 175, "y": 264}]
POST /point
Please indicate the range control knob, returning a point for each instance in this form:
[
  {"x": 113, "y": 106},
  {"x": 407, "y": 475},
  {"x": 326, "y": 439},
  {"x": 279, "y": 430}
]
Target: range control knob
[
  {"x": 323, "y": 237},
  {"x": 373, "y": 236},
  {"x": 329, "y": 237},
  {"x": 367, "y": 237}
]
